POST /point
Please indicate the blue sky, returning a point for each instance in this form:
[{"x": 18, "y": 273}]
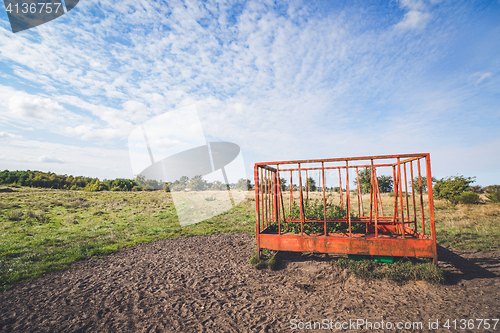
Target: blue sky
[{"x": 285, "y": 80}]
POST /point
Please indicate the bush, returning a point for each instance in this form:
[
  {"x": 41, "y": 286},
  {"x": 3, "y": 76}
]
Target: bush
[
  {"x": 452, "y": 187},
  {"x": 468, "y": 198},
  {"x": 493, "y": 193}
]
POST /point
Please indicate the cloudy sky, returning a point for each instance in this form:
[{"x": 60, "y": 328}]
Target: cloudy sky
[{"x": 282, "y": 79}]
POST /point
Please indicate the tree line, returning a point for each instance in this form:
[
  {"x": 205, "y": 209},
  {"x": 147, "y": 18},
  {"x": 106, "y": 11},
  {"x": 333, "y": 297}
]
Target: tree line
[{"x": 139, "y": 183}]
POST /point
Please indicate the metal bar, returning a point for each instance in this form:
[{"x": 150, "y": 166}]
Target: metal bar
[
  {"x": 374, "y": 191},
  {"x": 268, "y": 201},
  {"x": 275, "y": 193},
  {"x": 395, "y": 189},
  {"x": 371, "y": 194},
  {"x": 342, "y": 167},
  {"x": 410, "y": 247},
  {"x": 344, "y": 159},
  {"x": 413, "y": 195},
  {"x": 341, "y": 199},
  {"x": 301, "y": 204},
  {"x": 262, "y": 195},
  {"x": 291, "y": 192},
  {"x": 281, "y": 198},
  {"x": 307, "y": 187},
  {"x": 431, "y": 207},
  {"x": 257, "y": 214},
  {"x": 359, "y": 201},
  {"x": 406, "y": 195},
  {"x": 324, "y": 199},
  {"x": 421, "y": 198},
  {"x": 265, "y": 166},
  {"x": 379, "y": 200},
  {"x": 348, "y": 196},
  {"x": 401, "y": 200}
]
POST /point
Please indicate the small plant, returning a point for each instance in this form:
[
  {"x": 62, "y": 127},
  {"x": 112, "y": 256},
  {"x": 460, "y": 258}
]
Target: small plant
[
  {"x": 402, "y": 270},
  {"x": 313, "y": 210},
  {"x": 14, "y": 215},
  {"x": 211, "y": 198},
  {"x": 267, "y": 259}
]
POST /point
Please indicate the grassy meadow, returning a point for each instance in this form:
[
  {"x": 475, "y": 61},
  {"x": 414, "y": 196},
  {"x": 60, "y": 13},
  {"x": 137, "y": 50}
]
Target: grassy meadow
[{"x": 43, "y": 230}]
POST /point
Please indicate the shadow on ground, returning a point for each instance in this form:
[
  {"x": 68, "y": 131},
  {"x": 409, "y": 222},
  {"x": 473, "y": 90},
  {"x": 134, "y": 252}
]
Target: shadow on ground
[{"x": 468, "y": 264}]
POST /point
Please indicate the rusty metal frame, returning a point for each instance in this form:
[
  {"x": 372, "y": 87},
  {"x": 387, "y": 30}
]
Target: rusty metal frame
[{"x": 400, "y": 234}]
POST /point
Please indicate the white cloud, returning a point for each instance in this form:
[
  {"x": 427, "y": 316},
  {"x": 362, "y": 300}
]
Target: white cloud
[
  {"x": 29, "y": 106},
  {"x": 49, "y": 159},
  {"x": 482, "y": 77},
  {"x": 5, "y": 135},
  {"x": 413, "y": 19},
  {"x": 417, "y": 16}
]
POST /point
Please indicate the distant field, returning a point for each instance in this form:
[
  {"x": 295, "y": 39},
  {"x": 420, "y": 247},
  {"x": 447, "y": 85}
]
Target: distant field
[{"x": 42, "y": 230}]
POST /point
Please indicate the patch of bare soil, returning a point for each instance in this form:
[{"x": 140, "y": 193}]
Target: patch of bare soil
[{"x": 205, "y": 284}]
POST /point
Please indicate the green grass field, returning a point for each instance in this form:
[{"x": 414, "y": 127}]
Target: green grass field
[{"x": 43, "y": 230}]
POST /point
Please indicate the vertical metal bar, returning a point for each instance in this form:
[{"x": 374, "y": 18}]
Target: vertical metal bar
[
  {"x": 257, "y": 214},
  {"x": 275, "y": 195},
  {"x": 262, "y": 196},
  {"x": 431, "y": 207},
  {"x": 348, "y": 196},
  {"x": 374, "y": 191},
  {"x": 278, "y": 196},
  {"x": 421, "y": 198},
  {"x": 379, "y": 200},
  {"x": 406, "y": 195},
  {"x": 371, "y": 192},
  {"x": 359, "y": 201},
  {"x": 395, "y": 189},
  {"x": 341, "y": 199},
  {"x": 291, "y": 193},
  {"x": 413, "y": 195},
  {"x": 324, "y": 197},
  {"x": 271, "y": 198},
  {"x": 307, "y": 187},
  {"x": 268, "y": 203},
  {"x": 401, "y": 200},
  {"x": 301, "y": 204}
]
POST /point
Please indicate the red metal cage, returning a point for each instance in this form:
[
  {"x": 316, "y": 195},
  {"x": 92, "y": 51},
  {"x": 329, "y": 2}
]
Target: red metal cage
[{"x": 324, "y": 221}]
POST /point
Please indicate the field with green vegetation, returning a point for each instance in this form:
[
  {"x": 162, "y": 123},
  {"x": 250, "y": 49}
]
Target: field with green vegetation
[{"x": 43, "y": 229}]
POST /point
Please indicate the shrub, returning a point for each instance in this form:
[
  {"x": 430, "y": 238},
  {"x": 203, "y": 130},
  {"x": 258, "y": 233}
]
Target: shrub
[
  {"x": 468, "y": 198},
  {"x": 14, "y": 215},
  {"x": 493, "y": 193},
  {"x": 451, "y": 188}
]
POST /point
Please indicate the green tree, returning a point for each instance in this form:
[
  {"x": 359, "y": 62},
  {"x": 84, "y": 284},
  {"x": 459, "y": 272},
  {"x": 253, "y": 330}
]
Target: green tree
[
  {"x": 365, "y": 180},
  {"x": 385, "y": 183},
  {"x": 424, "y": 183},
  {"x": 243, "y": 185},
  {"x": 283, "y": 184},
  {"x": 217, "y": 186},
  {"x": 197, "y": 183},
  {"x": 451, "y": 188},
  {"x": 311, "y": 184}
]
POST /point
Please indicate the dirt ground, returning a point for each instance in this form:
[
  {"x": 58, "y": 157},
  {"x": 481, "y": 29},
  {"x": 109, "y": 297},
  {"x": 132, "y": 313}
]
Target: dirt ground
[{"x": 205, "y": 284}]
